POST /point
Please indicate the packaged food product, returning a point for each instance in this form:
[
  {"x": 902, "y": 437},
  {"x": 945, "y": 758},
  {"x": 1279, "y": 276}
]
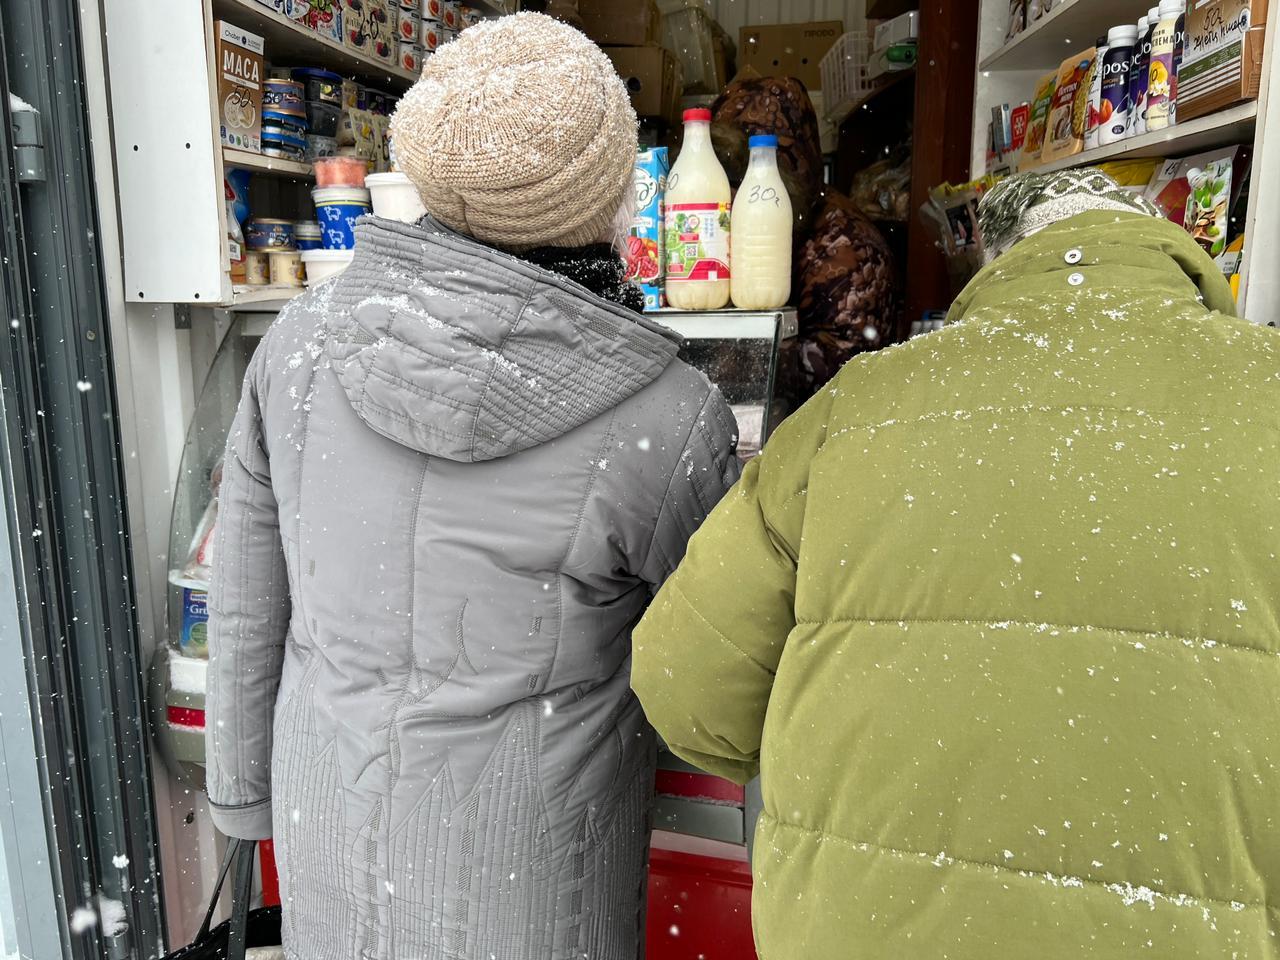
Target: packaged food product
[
  {"x": 1161, "y": 83},
  {"x": 322, "y": 86},
  {"x": 1222, "y": 56},
  {"x": 1170, "y": 188},
  {"x": 285, "y": 97},
  {"x": 409, "y": 25},
  {"x": 267, "y": 233},
  {"x": 697, "y": 222},
  {"x": 1140, "y": 73},
  {"x": 410, "y": 55},
  {"x": 1017, "y": 18},
  {"x": 322, "y": 118},
  {"x": 1019, "y": 117},
  {"x": 324, "y": 17},
  {"x": 193, "y": 634},
  {"x": 285, "y": 267},
  {"x": 369, "y": 27},
  {"x": 341, "y": 171},
  {"x": 646, "y": 242},
  {"x": 1229, "y": 262},
  {"x": 432, "y": 36},
  {"x": 320, "y": 265},
  {"x": 257, "y": 268},
  {"x": 1038, "y": 121},
  {"x": 761, "y": 232},
  {"x": 394, "y": 197},
  {"x": 1065, "y": 133},
  {"x": 238, "y": 54},
  {"x": 1208, "y": 203},
  {"x": 1094, "y": 116},
  {"x": 306, "y": 234},
  {"x": 1115, "y": 105},
  {"x": 337, "y": 209},
  {"x": 1131, "y": 174}
]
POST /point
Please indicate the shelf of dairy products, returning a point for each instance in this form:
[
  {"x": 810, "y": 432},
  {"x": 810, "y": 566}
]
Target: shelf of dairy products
[
  {"x": 259, "y": 163},
  {"x": 1221, "y": 129},
  {"x": 1070, "y": 26},
  {"x": 781, "y": 324},
  {"x": 296, "y": 44}
]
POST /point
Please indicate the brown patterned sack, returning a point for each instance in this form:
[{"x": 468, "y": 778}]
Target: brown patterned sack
[
  {"x": 752, "y": 104},
  {"x": 844, "y": 281}
]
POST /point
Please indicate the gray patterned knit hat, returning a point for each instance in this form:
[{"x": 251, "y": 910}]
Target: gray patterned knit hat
[{"x": 1024, "y": 204}]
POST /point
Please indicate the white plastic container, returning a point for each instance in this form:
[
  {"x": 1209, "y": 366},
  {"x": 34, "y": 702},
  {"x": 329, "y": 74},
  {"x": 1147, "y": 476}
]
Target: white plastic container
[
  {"x": 320, "y": 265},
  {"x": 761, "y": 232},
  {"x": 696, "y": 220},
  {"x": 394, "y": 197}
]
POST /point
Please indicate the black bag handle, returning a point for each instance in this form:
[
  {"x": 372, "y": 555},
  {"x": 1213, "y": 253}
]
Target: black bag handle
[{"x": 240, "y": 853}]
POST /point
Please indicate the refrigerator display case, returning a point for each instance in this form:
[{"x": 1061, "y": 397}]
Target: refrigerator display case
[{"x": 178, "y": 669}]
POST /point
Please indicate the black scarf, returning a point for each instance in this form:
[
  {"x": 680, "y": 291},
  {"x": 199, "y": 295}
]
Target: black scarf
[{"x": 596, "y": 266}]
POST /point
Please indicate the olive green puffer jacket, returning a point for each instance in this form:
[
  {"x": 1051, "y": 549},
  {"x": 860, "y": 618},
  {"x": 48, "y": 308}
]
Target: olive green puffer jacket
[{"x": 997, "y": 616}]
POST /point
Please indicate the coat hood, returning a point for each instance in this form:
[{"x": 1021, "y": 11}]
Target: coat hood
[
  {"x": 1099, "y": 253},
  {"x": 458, "y": 350}
]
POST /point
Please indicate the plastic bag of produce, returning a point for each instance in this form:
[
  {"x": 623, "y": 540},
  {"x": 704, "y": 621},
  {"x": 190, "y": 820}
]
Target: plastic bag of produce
[
  {"x": 781, "y": 106},
  {"x": 844, "y": 276}
]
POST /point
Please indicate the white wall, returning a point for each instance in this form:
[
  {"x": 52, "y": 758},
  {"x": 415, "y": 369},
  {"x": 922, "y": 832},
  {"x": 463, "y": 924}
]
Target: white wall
[{"x": 734, "y": 14}]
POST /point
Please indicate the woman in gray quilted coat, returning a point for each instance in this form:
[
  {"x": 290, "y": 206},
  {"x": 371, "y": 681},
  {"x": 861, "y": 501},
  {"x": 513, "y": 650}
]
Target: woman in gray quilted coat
[{"x": 458, "y": 472}]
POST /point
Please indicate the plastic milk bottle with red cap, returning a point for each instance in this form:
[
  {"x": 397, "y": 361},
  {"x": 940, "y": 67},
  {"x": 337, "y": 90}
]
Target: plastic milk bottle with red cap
[{"x": 697, "y": 221}]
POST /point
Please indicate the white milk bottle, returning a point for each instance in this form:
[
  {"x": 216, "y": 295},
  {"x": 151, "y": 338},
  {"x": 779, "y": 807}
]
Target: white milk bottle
[
  {"x": 697, "y": 221},
  {"x": 761, "y": 233}
]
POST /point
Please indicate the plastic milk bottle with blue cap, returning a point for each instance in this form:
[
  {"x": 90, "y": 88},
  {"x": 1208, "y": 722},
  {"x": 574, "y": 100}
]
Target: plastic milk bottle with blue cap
[{"x": 761, "y": 232}]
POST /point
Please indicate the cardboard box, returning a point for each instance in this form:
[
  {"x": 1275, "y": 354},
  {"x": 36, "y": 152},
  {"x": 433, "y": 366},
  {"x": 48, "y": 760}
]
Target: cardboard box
[
  {"x": 621, "y": 23},
  {"x": 1222, "y": 56},
  {"x": 651, "y": 77},
  {"x": 240, "y": 73},
  {"x": 788, "y": 49},
  {"x": 898, "y": 30}
]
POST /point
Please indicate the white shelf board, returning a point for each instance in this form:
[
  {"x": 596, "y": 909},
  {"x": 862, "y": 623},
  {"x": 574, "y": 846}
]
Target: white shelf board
[
  {"x": 262, "y": 164},
  {"x": 1070, "y": 26},
  {"x": 728, "y": 324},
  {"x": 1235, "y": 125},
  {"x": 260, "y": 299},
  {"x": 292, "y": 43}
]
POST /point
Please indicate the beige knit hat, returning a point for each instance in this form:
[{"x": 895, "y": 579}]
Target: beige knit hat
[{"x": 520, "y": 133}]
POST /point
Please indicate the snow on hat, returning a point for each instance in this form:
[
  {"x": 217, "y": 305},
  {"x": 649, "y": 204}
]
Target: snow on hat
[
  {"x": 520, "y": 133},
  {"x": 1024, "y": 204}
]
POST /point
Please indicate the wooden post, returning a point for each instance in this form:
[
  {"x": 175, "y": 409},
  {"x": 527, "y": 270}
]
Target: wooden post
[{"x": 941, "y": 139}]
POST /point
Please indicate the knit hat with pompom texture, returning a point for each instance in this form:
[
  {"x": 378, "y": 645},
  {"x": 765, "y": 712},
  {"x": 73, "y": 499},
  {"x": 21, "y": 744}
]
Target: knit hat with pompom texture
[{"x": 520, "y": 134}]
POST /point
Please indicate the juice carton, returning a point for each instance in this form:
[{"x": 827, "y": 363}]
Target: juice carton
[{"x": 646, "y": 254}]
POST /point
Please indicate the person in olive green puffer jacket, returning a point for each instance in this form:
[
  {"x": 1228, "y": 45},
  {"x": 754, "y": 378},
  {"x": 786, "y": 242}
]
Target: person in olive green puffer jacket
[{"x": 996, "y": 616}]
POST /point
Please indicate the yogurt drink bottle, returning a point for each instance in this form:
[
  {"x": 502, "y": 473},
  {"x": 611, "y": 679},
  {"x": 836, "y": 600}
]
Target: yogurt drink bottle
[
  {"x": 1160, "y": 86},
  {"x": 1115, "y": 106},
  {"x": 1093, "y": 114},
  {"x": 761, "y": 232},
  {"x": 697, "y": 221}
]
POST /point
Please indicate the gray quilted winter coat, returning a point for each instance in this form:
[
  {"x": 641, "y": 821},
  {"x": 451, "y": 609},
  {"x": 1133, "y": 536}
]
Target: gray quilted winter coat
[{"x": 453, "y": 484}]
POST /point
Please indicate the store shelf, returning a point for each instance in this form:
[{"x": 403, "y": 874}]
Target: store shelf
[
  {"x": 1204, "y": 133},
  {"x": 260, "y": 164},
  {"x": 729, "y": 324},
  {"x": 260, "y": 299},
  {"x": 290, "y": 42},
  {"x": 1070, "y": 26}
]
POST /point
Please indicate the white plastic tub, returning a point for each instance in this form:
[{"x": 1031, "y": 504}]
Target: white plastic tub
[
  {"x": 394, "y": 197},
  {"x": 322, "y": 264}
]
